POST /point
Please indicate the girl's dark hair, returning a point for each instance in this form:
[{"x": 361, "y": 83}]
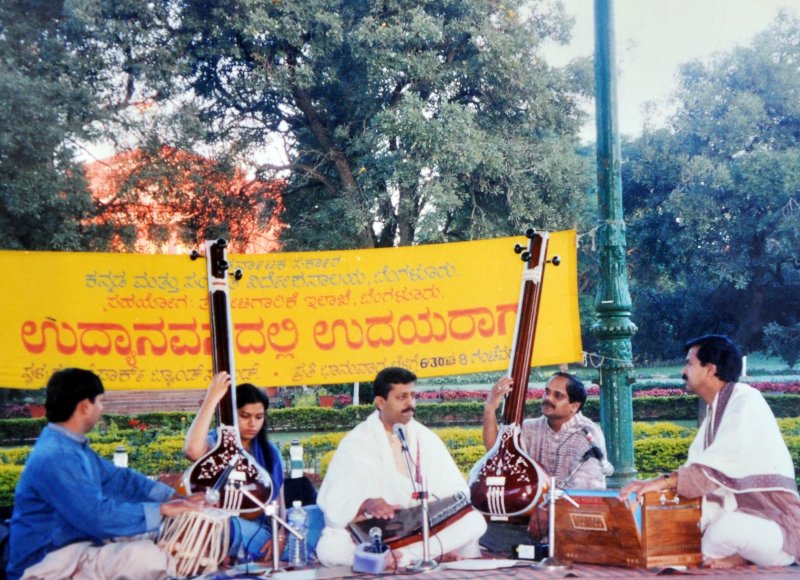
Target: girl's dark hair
[{"x": 246, "y": 394}]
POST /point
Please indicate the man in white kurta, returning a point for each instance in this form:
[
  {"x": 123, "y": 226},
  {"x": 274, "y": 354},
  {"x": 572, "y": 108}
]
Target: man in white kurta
[
  {"x": 368, "y": 477},
  {"x": 738, "y": 463}
]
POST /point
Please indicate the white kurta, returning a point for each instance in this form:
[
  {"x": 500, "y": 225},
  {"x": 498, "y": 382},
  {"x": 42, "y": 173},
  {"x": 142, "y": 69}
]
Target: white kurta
[
  {"x": 740, "y": 449},
  {"x": 364, "y": 467}
]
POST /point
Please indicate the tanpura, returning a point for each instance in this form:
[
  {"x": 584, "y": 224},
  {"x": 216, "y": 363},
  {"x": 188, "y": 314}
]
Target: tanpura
[
  {"x": 507, "y": 484},
  {"x": 227, "y": 469}
]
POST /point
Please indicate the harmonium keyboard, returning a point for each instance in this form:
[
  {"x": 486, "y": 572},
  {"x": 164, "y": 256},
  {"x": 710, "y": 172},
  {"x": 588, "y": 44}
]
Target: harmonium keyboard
[
  {"x": 663, "y": 531},
  {"x": 406, "y": 525}
]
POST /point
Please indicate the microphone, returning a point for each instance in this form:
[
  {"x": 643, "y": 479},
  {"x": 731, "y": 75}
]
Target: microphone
[
  {"x": 594, "y": 450},
  {"x": 376, "y": 536},
  {"x": 400, "y": 431},
  {"x": 597, "y": 453}
]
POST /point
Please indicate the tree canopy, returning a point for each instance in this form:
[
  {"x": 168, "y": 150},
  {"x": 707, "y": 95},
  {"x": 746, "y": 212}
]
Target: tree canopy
[
  {"x": 712, "y": 201},
  {"x": 406, "y": 122}
]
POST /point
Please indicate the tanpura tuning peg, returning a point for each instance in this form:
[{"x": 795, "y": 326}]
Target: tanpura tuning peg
[
  {"x": 194, "y": 255},
  {"x": 529, "y": 233},
  {"x": 555, "y": 261},
  {"x": 237, "y": 274},
  {"x": 518, "y": 248},
  {"x": 526, "y": 256},
  {"x": 224, "y": 265},
  {"x": 222, "y": 243}
]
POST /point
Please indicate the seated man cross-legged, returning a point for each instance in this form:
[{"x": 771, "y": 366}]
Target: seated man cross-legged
[
  {"x": 75, "y": 512},
  {"x": 738, "y": 464},
  {"x": 368, "y": 477},
  {"x": 558, "y": 441}
]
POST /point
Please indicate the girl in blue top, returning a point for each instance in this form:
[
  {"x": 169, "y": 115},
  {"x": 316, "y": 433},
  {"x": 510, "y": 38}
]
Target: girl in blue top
[{"x": 251, "y": 539}]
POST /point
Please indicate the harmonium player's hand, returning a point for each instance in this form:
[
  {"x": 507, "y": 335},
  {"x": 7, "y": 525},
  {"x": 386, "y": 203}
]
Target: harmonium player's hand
[{"x": 377, "y": 508}]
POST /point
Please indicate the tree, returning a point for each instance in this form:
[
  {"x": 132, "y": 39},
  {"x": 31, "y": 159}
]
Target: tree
[
  {"x": 713, "y": 201},
  {"x": 166, "y": 199},
  {"x": 406, "y": 122},
  {"x": 44, "y": 108},
  {"x": 77, "y": 71}
]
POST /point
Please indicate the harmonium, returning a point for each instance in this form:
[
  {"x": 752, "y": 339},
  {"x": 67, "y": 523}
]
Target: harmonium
[
  {"x": 662, "y": 531},
  {"x": 406, "y": 526}
]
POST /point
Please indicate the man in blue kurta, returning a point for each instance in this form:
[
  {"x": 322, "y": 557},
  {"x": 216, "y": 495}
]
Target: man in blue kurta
[{"x": 69, "y": 502}]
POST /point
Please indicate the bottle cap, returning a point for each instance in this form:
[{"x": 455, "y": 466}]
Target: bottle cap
[{"x": 297, "y": 503}]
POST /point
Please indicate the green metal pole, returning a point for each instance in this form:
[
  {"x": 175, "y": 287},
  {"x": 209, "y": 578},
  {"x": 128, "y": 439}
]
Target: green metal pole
[{"x": 613, "y": 326}]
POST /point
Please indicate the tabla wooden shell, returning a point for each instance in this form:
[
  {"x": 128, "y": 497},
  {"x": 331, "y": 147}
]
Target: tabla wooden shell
[{"x": 197, "y": 541}]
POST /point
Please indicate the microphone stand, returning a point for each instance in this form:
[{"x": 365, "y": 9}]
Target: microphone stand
[
  {"x": 551, "y": 563},
  {"x": 427, "y": 563},
  {"x": 271, "y": 510}
]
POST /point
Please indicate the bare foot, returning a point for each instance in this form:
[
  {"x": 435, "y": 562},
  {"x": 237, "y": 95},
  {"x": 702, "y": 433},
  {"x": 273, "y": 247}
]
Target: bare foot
[{"x": 735, "y": 561}]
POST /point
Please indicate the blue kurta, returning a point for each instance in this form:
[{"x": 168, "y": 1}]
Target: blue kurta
[{"x": 67, "y": 493}]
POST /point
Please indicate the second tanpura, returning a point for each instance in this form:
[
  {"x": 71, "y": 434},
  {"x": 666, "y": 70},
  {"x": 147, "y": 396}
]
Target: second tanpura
[{"x": 507, "y": 484}]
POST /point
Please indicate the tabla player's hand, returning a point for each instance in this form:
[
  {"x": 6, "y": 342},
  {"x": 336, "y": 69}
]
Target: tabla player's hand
[
  {"x": 266, "y": 549},
  {"x": 379, "y": 508},
  {"x": 198, "y": 497},
  {"x": 176, "y": 507}
]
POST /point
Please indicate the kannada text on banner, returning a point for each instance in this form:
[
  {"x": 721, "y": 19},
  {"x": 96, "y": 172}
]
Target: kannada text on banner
[{"x": 311, "y": 318}]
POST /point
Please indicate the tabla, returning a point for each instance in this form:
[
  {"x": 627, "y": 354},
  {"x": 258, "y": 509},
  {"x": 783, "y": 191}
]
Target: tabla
[{"x": 197, "y": 541}]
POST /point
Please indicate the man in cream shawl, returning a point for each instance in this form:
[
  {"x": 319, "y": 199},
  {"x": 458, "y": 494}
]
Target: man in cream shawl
[
  {"x": 368, "y": 477},
  {"x": 738, "y": 463}
]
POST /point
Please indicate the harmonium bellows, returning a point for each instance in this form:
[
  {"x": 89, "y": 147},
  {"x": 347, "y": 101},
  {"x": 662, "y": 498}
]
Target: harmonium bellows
[{"x": 663, "y": 531}]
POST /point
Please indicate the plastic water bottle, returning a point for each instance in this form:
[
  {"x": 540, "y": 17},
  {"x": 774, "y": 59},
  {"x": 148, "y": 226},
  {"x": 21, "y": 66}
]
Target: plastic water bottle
[{"x": 297, "y": 549}]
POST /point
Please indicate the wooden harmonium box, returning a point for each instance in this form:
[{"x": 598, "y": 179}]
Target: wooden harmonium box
[{"x": 663, "y": 531}]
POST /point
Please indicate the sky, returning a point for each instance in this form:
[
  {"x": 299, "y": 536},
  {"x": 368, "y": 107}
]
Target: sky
[{"x": 654, "y": 37}]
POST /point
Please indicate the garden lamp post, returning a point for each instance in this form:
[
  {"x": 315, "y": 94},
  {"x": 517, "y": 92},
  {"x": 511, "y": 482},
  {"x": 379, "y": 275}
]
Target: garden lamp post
[{"x": 613, "y": 326}]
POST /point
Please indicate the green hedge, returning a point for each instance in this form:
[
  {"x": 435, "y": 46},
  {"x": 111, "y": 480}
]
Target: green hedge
[
  {"x": 676, "y": 408},
  {"x": 658, "y": 448}
]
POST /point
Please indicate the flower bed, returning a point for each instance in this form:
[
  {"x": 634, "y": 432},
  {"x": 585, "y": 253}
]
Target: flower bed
[{"x": 652, "y": 390}]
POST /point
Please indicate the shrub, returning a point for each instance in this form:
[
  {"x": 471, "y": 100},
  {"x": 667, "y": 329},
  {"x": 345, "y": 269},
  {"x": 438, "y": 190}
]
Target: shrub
[
  {"x": 14, "y": 455},
  {"x": 659, "y": 455},
  {"x": 466, "y": 457},
  {"x": 324, "y": 462},
  {"x": 789, "y": 427},
  {"x": 315, "y": 446},
  {"x": 18, "y": 430},
  {"x": 434, "y": 414},
  {"x": 459, "y": 437},
  {"x": 9, "y": 476},
  {"x": 306, "y": 419}
]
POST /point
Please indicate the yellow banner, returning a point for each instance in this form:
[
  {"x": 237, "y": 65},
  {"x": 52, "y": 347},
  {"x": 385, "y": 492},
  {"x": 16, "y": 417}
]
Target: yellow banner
[{"x": 312, "y": 318}]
